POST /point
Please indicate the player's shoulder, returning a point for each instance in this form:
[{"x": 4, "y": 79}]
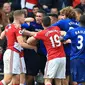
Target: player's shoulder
[
  {"x": 7, "y": 26},
  {"x": 72, "y": 31},
  {"x": 64, "y": 20},
  {"x": 55, "y": 28}
]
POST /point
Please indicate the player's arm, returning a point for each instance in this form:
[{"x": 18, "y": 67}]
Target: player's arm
[
  {"x": 63, "y": 33},
  {"x": 23, "y": 44},
  {"x": 28, "y": 20},
  {"x": 32, "y": 41},
  {"x": 28, "y": 33},
  {"x": 65, "y": 41},
  {"x": 2, "y": 35},
  {"x": 65, "y": 37}
]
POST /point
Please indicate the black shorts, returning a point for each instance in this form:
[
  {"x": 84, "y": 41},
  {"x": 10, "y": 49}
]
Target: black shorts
[
  {"x": 67, "y": 65},
  {"x": 34, "y": 62}
]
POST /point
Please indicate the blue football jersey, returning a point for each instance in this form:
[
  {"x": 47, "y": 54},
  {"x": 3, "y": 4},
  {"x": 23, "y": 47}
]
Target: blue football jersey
[
  {"x": 36, "y": 27},
  {"x": 65, "y": 25},
  {"x": 77, "y": 37},
  {"x": 32, "y": 26}
]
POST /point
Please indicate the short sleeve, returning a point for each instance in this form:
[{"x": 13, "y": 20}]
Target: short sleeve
[
  {"x": 25, "y": 25},
  {"x": 68, "y": 35},
  {"x": 18, "y": 32},
  {"x": 39, "y": 35}
]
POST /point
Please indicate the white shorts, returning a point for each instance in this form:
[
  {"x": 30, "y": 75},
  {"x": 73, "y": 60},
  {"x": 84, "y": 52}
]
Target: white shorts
[
  {"x": 22, "y": 63},
  {"x": 12, "y": 62},
  {"x": 55, "y": 68}
]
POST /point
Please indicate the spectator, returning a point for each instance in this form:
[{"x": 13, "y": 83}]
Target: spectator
[
  {"x": 3, "y": 23},
  {"x": 53, "y": 17},
  {"x": 26, "y": 11},
  {"x": 78, "y": 12},
  {"x": 2, "y": 2},
  {"x": 63, "y": 3},
  {"x": 54, "y": 10},
  {"x": 16, "y": 4},
  {"x": 46, "y": 8},
  {"x": 7, "y": 8},
  {"x": 45, "y": 2},
  {"x": 34, "y": 11},
  {"x": 76, "y": 2},
  {"x": 81, "y": 5},
  {"x": 3, "y": 19},
  {"x": 31, "y": 3}
]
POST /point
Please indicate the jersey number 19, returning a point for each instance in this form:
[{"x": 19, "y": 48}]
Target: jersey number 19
[{"x": 55, "y": 41}]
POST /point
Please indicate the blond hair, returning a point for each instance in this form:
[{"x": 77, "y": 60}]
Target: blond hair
[{"x": 18, "y": 13}]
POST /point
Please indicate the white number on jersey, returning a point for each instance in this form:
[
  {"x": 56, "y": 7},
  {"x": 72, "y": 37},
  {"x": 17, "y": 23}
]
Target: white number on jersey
[
  {"x": 55, "y": 41},
  {"x": 80, "y": 42}
]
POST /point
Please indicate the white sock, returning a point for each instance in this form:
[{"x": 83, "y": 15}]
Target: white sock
[{"x": 3, "y": 82}]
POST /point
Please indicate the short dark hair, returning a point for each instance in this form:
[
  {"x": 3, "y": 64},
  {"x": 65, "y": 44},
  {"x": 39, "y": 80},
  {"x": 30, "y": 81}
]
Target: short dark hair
[
  {"x": 78, "y": 10},
  {"x": 53, "y": 15},
  {"x": 35, "y": 6},
  {"x": 25, "y": 8},
  {"x": 82, "y": 20},
  {"x": 42, "y": 11},
  {"x": 46, "y": 21}
]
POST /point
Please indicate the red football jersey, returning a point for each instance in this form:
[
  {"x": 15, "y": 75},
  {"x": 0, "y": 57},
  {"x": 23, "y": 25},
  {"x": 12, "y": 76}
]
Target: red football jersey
[
  {"x": 11, "y": 34},
  {"x": 50, "y": 37}
]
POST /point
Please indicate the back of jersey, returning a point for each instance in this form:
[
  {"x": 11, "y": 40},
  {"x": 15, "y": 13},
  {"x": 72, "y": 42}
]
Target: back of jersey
[
  {"x": 78, "y": 42},
  {"x": 10, "y": 35},
  {"x": 52, "y": 43}
]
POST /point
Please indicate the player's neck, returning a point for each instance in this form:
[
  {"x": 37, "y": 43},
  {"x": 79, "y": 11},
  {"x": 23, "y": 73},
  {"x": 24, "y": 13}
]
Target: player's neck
[
  {"x": 16, "y": 22},
  {"x": 45, "y": 28}
]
